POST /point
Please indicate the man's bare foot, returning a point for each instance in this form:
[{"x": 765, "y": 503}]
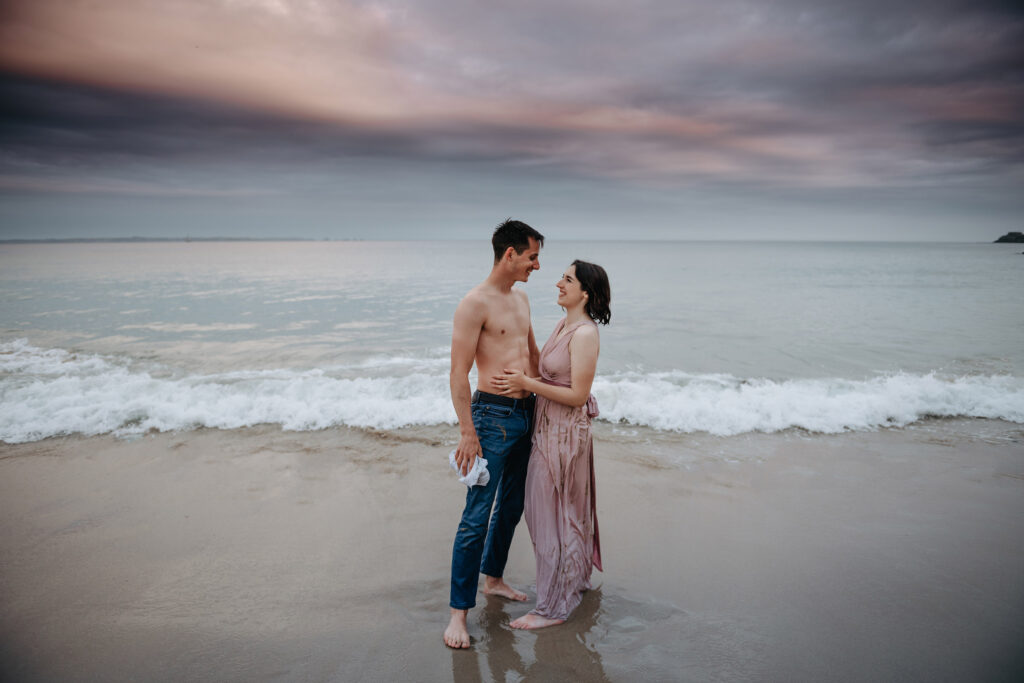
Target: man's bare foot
[
  {"x": 456, "y": 635},
  {"x": 497, "y": 586},
  {"x": 532, "y": 621}
]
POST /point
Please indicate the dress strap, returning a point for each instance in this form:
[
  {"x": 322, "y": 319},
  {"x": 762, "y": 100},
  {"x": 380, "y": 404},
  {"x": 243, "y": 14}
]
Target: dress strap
[{"x": 569, "y": 331}]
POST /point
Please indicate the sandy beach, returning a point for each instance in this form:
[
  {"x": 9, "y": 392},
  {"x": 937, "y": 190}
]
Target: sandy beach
[{"x": 260, "y": 554}]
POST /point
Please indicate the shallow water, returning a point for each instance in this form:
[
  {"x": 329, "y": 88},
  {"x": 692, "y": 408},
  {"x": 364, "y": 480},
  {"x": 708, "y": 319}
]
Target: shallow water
[{"x": 724, "y": 338}]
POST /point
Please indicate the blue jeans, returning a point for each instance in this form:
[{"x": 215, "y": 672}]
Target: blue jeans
[{"x": 504, "y": 434}]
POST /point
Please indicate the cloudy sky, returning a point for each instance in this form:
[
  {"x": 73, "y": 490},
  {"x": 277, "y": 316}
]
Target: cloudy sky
[{"x": 656, "y": 119}]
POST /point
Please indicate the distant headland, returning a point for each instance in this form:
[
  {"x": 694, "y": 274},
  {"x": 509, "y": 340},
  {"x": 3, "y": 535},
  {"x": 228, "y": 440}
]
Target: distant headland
[{"x": 1014, "y": 237}]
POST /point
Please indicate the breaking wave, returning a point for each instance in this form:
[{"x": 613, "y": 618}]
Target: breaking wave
[{"x": 53, "y": 392}]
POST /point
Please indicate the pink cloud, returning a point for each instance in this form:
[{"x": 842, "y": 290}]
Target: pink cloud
[{"x": 279, "y": 55}]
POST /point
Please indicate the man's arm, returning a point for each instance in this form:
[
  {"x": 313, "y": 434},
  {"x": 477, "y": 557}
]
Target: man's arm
[
  {"x": 534, "y": 369},
  {"x": 469, "y": 320},
  {"x": 534, "y": 355}
]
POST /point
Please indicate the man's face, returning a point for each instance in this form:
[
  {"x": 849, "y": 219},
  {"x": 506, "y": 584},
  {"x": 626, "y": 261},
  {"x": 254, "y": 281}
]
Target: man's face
[{"x": 527, "y": 262}]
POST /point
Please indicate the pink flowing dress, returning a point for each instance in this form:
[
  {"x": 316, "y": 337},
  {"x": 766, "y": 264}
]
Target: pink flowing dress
[{"x": 561, "y": 508}]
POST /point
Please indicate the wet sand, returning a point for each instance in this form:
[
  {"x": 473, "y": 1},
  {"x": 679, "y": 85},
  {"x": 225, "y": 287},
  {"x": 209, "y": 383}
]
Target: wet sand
[{"x": 258, "y": 555}]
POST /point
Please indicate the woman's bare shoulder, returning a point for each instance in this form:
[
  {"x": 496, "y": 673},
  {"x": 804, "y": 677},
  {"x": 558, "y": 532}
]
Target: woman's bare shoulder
[{"x": 585, "y": 336}]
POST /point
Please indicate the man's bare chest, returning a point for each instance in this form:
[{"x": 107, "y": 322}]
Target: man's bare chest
[{"x": 507, "y": 323}]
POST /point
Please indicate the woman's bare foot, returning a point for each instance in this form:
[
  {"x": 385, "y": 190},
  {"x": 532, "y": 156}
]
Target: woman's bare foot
[
  {"x": 497, "y": 586},
  {"x": 456, "y": 635},
  {"x": 532, "y": 621}
]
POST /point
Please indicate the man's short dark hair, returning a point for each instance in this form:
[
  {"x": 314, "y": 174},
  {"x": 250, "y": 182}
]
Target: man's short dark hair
[{"x": 515, "y": 234}]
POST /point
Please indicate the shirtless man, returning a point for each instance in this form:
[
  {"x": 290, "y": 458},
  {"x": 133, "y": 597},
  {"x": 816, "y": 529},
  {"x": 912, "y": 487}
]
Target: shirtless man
[{"x": 492, "y": 327}]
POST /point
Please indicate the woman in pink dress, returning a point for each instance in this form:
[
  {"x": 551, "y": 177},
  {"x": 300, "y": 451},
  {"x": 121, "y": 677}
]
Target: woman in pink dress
[{"x": 560, "y": 500}]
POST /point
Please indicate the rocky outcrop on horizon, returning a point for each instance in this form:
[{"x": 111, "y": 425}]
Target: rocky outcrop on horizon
[{"x": 1014, "y": 237}]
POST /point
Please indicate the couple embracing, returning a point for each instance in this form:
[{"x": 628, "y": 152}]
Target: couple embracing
[{"x": 530, "y": 419}]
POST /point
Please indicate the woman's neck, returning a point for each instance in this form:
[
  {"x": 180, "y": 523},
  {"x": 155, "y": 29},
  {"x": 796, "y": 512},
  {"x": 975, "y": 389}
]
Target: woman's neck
[{"x": 575, "y": 314}]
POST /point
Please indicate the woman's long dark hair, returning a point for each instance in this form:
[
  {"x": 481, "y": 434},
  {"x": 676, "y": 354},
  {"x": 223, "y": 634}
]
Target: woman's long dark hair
[{"x": 594, "y": 282}]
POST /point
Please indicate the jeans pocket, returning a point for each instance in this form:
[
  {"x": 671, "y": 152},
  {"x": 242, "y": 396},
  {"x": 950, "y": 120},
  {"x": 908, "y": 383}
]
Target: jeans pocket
[{"x": 494, "y": 410}]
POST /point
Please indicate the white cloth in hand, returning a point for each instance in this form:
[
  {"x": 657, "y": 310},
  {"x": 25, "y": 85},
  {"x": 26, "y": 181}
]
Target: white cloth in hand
[{"x": 477, "y": 475}]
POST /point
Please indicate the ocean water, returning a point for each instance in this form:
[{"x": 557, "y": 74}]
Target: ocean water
[{"x": 708, "y": 337}]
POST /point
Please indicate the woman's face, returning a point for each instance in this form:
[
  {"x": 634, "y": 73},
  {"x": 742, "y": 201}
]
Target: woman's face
[{"x": 570, "y": 292}]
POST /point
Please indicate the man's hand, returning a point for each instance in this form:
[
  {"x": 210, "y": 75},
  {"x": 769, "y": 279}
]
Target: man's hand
[{"x": 465, "y": 454}]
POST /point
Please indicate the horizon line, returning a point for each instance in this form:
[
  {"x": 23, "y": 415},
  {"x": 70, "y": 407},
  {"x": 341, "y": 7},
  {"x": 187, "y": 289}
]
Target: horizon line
[{"x": 186, "y": 239}]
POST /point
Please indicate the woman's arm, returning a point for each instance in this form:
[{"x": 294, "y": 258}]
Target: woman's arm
[{"x": 584, "y": 348}]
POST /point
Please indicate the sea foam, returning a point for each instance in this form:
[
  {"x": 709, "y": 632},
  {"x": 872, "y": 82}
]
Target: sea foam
[
  {"x": 52, "y": 392},
  {"x": 725, "y": 405}
]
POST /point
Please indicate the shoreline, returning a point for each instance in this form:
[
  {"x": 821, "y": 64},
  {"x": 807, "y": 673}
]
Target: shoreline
[{"x": 257, "y": 553}]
